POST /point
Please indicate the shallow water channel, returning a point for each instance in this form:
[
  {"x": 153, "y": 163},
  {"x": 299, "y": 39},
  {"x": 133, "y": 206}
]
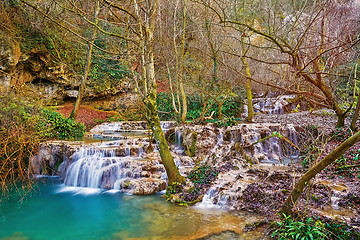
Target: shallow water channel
[{"x": 56, "y": 211}]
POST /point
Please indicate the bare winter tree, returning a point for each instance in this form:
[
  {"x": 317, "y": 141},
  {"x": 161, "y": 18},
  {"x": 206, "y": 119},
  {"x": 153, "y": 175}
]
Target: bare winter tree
[{"x": 308, "y": 40}]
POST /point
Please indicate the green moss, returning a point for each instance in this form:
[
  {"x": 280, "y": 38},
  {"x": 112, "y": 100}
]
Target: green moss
[
  {"x": 314, "y": 198},
  {"x": 190, "y": 150},
  {"x": 248, "y": 159}
]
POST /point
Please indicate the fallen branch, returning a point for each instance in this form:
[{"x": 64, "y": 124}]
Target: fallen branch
[{"x": 346, "y": 167}]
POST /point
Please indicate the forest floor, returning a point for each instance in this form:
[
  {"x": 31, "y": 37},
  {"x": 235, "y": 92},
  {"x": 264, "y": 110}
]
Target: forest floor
[{"x": 88, "y": 115}]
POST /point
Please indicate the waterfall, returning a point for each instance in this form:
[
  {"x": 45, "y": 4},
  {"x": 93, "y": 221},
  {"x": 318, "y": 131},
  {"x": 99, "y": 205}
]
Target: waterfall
[
  {"x": 115, "y": 158},
  {"x": 292, "y": 136},
  {"x": 215, "y": 151},
  {"x": 99, "y": 168},
  {"x": 167, "y": 125},
  {"x": 179, "y": 149},
  {"x": 208, "y": 200},
  {"x": 270, "y": 105},
  {"x": 128, "y": 127}
]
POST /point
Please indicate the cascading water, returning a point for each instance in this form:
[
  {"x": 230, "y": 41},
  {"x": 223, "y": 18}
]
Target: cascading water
[
  {"x": 178, "y": 142},
  {"x": 99, "y": 168},
  {"x": 117, "y": 164},
  {"x": 292, "y": 136},
  {"x": 270, "y": 105},
  {"x": 214, "y": 153},
  {"x": 231, "y": 149}
]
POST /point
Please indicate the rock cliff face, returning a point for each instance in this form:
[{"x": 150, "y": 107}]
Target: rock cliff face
[
  {"x": 37, "y": 74},
  {"x": 33, "y": 69}
]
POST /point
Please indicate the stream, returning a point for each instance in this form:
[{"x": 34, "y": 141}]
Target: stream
[
  {"x": 109, "y": 186},
  {"x": 55, "y": 211},
  {"x": 91, "y": 195}
]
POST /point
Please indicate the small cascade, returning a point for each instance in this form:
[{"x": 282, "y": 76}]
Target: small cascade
[
  {"x": 335, "y": 200},
  {"x": 208, "y": 200},
  {"x": 99, "y": 168},
  {"x": 107, "y": 128},
  {"x": 178, "y": 148},
  {"x": 128, "y": 127},
  {"x": 221, "y": 142},
  {"x": 215, "y": 153},
  {"x": 293, "y": 137},
  {"x": 167, "y": 125},
  {"x": 270, "y": 105}
]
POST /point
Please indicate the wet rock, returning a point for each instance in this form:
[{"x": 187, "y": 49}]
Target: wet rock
[
  {"x": 253, "y": 226},
  {"x": 352, "y": 197},
  {"x": 265, "y": 198},
  {"x": 40, "y": 163},
  {"x": 145, "y": 174},
  {"x": 279, "y": 176},
  {"x": 50, "y": 156},
  {"x": 213, "y": 143},
  {"x": 122, "y": 151},
  {"x": 143, "y": 186},
  {"x": 134, "y": 151},
  {"x": 222, "y": 235}
]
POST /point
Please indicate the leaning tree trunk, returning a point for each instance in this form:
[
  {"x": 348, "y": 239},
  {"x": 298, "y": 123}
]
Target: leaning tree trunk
[
  {"x": 153, "y": 119},
  {"x": 153, "y": 122},
  {"x": 148, "y": 87},
  {"x": 305, "y": 179},
  {"x": 75, "y": 110}
]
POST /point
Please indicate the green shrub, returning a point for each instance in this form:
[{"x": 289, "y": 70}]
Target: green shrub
[
  {"x": 44, "y": 123},
  {"x": 312, "y": 228},
  {"x": 231, "y": 107},
  {"x": 54, "y": 125},
  {"x": 339, "y": 230},
  {"x": 289, "y": 228},
  {"x": 202, "y": 177},
  {"x": 23, "y": 126}
]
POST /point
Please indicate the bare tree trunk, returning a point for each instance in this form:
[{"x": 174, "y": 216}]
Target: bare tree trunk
[
  {"x": 75, "y": 110},
  {"x": 250, "y": 116},
  {"x": 305, "y": 179},
  {"x": 180, "y": 58},
  {"x": 181, "y": 85},
  {"x": 356, "y": 113},
  {"x": 172, "y": 91}
]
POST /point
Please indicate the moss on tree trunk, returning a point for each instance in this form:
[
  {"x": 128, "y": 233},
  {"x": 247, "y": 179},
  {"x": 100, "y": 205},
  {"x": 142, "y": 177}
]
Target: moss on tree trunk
[{"x": 153, "y": 121}]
